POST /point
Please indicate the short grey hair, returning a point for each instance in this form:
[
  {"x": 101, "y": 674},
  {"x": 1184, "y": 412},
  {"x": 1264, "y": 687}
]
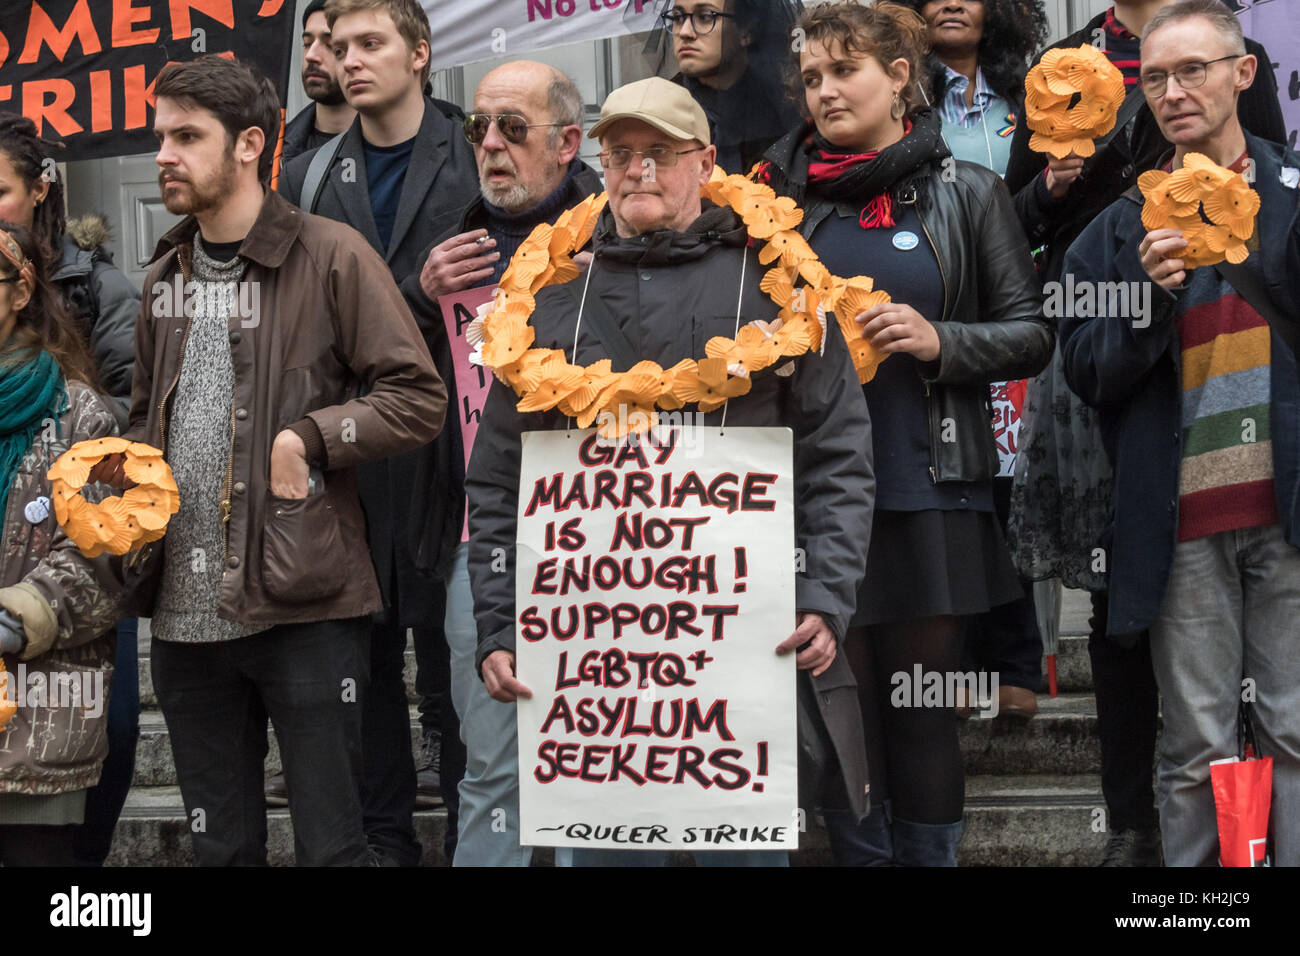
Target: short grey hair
[
  {"x": 565, "y": 104},
  {"x": 1221, "y": 18}
]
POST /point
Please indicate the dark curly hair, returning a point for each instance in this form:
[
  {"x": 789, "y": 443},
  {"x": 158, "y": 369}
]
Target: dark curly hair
[
  {"x": 1014, "y": 30},
  {"x": 28, "y": 153}
]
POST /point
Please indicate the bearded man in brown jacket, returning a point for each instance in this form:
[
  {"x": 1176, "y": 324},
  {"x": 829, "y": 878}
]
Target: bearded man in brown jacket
[{"x": 255, "y": 377}]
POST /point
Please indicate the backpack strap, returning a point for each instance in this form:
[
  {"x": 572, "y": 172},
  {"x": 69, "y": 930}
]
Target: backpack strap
[{"x": 321, "y": 161}]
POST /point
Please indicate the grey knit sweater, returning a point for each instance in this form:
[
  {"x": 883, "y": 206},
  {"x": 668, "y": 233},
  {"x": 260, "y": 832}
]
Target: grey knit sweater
[{"x": 198, "y": 443}]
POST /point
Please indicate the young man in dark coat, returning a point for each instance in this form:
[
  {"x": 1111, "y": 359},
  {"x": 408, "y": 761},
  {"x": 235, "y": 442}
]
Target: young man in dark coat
[
  {"x": 400, "y": 177},
  {"x": 665, "y": 269},
  {"x": 1197, "y": 393}
]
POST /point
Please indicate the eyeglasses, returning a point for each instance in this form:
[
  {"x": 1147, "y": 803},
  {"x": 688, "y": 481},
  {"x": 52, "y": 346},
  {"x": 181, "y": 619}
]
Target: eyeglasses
[
  {"x": 618, "y": 158},
  {"x": 702, "y": 21},
  {"x": 8, "y": 279},
  {"x": 511, "y": 125},
  {"x": 1189, "y": 76}
]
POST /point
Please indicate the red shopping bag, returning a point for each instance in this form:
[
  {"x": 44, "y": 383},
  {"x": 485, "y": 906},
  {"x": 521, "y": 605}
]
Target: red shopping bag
[{"x": 1243, "y": 791}]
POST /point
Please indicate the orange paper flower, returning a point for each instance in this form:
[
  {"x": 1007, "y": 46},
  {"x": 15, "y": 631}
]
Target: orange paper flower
[
  {"x": 1072, "y": 97},
  {"x": 1214, "y": 208},
  {"x": 121, "y": 523},
  {"x": 8, "y": 697},
  {"x": 708, "y": 383}
]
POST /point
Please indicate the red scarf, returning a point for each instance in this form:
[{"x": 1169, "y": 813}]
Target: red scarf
[{"x": 879, "y": 212}]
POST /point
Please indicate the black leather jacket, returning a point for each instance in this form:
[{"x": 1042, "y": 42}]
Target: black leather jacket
[{"x": 992, "y": 327}]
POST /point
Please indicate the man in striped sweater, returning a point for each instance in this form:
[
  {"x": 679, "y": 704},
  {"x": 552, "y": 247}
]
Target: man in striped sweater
[{"x": 1200, "y": 411}]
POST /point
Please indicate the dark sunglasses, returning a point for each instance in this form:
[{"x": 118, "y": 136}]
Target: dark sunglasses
[{"x": 511, "y": 125}]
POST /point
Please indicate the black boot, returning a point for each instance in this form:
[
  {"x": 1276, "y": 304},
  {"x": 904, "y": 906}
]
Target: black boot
[{"x": 1133, "y": 847}]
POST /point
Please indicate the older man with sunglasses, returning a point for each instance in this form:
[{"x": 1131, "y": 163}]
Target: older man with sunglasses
[{"x": 525, "y": 128}]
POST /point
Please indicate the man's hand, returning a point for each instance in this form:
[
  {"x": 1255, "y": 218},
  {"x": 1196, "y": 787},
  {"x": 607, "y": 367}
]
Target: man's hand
[
  {"x": 289, "y": 468},
  {"x": 897, "y": 327},
  {"x": 458, "y": 263},
  {"x": 1156, "y": 250},
  {"x": 499, "y": 677},
  {"x": 1061, "y": 173},
  {"x": 109, "y": 471},
  {"x": 813, "y": 631}
]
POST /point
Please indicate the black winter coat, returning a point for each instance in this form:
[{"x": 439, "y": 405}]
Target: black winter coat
[
  {"x": 1111, "y": 170},
  {"x": 992, "y": 328},
  {"x": 441, "y": 176},
  {"x": 438, "y": 507},
  {"x": 670, "y": 293},
  {"x": 105, "y": 304}
]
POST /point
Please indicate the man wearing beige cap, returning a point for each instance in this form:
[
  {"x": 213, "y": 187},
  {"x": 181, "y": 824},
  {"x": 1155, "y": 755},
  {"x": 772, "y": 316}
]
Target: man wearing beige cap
[{"x": 669, "y": 272}]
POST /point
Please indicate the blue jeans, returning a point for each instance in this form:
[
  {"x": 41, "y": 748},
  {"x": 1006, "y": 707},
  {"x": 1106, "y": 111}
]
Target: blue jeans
[
  {"x": 92, "y": 840},
  {"x": 489, "y": 791},
  {"x": 1229, "y": 614}
]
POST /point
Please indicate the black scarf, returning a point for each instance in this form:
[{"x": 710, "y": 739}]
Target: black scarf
[{"x": 895, "y": 167}]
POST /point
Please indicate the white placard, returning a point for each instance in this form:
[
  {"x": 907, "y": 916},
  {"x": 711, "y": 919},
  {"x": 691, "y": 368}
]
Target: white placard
[{"x": 655, "y": 579}]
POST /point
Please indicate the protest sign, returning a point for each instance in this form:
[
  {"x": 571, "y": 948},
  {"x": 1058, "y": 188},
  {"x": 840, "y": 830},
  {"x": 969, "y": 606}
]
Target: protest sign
[
  {"x": 470, "y": 32},
  {"x": 472, "y": 381},
  {"x": 84, "y": 72},
  {"x": 1006, "y": 423},
  {"x": 654, "y": 580}
]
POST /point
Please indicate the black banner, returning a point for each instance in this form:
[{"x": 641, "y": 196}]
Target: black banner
[{"x": 83, "y": 70}]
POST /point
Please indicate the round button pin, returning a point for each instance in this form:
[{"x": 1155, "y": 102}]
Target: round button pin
[
  {"x": 37, "y": 510},
  {"x": 905, "y": 240}
]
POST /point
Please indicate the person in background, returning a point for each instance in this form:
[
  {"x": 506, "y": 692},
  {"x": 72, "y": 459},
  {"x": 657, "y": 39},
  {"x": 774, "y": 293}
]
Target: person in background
[
  {"x": 729, "y": 56},
  {"x": 103, "y": 304},
  {"x": 981, "y": 52},
  {"x": 526, "y": 128},
  {"x": 1062, "y": 493},
  {"x": 57, "y": 607},
  {"x": 882, "y": 197},
  {"x": 414, "y": 172},
  {"x": 1207, "y": 526},
  {"x": 330, "y": 114}
]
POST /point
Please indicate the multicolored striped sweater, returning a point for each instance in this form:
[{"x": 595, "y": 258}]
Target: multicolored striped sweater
[{"x": 1226, "y": 479}]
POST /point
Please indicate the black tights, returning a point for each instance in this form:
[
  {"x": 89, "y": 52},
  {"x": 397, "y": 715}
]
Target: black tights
[
  {"x": 35, "y": 845},
  {"x": 913, "y": 753}
]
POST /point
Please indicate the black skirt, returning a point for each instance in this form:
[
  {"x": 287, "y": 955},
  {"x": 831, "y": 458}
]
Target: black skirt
[{"x": 932, "y": 563}]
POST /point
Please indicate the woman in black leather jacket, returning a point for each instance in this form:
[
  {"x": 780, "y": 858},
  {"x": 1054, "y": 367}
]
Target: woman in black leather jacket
[{"x": 883, "y": 197}]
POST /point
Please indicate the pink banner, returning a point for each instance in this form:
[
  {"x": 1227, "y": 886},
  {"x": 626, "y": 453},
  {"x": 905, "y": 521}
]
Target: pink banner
[{"x": 472, "y": 381}]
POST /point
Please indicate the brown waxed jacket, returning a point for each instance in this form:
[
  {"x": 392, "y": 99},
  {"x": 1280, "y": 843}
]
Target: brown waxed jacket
[{"x": 329, "y": 349}]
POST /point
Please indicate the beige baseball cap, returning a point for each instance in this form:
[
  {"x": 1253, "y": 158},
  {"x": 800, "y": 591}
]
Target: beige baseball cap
[{"x": 661, "y": 103}]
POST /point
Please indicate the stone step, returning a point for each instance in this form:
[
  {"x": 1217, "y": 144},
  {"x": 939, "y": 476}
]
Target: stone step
[
  {"x": 1060, "y": 740},
  {"x": 1035, "y": 820}
]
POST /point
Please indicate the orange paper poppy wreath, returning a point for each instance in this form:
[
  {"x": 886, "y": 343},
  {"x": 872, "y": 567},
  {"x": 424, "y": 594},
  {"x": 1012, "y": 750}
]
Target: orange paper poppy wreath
[
  {"x": 798, "y": 282},
  {"x": 1072, "y": 97},
  {"x": 121, "y": 523}
]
